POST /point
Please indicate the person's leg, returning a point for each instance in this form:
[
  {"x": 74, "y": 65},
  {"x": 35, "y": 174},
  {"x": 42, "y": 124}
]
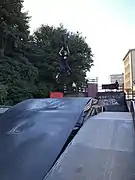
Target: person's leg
[
  {"x": 67, "y": 68},
  {"x": 62, "y": 66}
]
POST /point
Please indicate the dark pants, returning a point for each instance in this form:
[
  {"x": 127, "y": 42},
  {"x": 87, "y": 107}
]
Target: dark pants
[{"x": 64, "y": 67}]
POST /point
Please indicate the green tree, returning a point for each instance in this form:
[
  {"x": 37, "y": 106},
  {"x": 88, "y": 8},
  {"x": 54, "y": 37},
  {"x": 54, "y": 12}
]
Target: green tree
[
  {"x": 13, "y": 26},
  {"x": 16, "y": 72},
  {"x": 45, "y": 45},
  {"x": 19, "y": 79},
  {"x": 28, "y": 64}
]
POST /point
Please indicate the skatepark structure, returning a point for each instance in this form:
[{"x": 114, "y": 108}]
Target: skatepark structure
[{"x": 68, "y": 138}]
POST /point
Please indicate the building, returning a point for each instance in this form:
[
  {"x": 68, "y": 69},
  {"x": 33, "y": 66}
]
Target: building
[
  {"x": 92, "y": 87},
  {"x": 93, "y": 80},
  {"x": 129, "y": 72},
  {"x": 117, "y": 77}
]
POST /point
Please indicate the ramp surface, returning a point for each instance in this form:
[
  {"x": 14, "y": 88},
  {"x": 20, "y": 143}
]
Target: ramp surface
[
  {"x": 113, "y": 101},
  {"x": 104, "y": 149},
  {"x": 33, "y": 133}
]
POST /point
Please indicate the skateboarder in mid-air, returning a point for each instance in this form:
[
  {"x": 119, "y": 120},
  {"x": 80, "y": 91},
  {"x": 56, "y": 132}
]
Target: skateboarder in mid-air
[{"x": 64, "y": 67}]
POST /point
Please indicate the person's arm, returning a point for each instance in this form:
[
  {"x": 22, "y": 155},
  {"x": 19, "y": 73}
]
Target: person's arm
[
  {"x": 68, "y": 50},
  {"x": 60, "y": 53}
]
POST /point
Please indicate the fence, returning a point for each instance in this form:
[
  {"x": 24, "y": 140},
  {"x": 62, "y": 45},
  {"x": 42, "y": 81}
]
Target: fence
[{"x": 130, "y": 96}]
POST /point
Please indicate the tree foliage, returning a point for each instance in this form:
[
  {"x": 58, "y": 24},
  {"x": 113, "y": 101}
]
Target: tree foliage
[
  {"x": 29, "y": 63},
  {"x": 46, "y": 43},
  {"x": 17, "y": 74}
]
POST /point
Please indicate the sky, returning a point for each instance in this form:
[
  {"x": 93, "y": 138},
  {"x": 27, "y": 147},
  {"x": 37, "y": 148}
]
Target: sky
[{"x": 109, "y": 26}]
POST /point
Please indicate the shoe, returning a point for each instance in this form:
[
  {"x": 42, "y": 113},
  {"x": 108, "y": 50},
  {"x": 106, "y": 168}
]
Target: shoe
[{"x": 58, "y": 77}]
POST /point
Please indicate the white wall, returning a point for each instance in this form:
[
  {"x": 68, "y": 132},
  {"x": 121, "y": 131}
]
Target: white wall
[{"x": 133, "y": 64}]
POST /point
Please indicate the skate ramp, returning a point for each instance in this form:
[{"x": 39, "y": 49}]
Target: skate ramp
[
  {"x": 32, "y": 134},
  {"x": 113, "y": 101},
  {"x": 103, "y": 149}
]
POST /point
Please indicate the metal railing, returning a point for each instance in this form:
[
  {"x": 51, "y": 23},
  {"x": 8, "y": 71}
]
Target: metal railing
[{"x": 130, "y": 96}]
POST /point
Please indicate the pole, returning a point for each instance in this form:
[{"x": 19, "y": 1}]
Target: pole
[{"x": 132, "y": 73}]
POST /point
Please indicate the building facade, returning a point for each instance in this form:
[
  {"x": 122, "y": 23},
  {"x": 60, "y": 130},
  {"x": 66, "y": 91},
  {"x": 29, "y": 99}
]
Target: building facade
[
  {"x": 92, "y": 87},
  {"x": 117, "y": 77},
  {"x": 129, "y": 72},
  {"x": 93, "y": 80}
]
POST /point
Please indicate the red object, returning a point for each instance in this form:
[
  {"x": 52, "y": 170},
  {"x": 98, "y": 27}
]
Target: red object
[{"x": 56, "y": 94}]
